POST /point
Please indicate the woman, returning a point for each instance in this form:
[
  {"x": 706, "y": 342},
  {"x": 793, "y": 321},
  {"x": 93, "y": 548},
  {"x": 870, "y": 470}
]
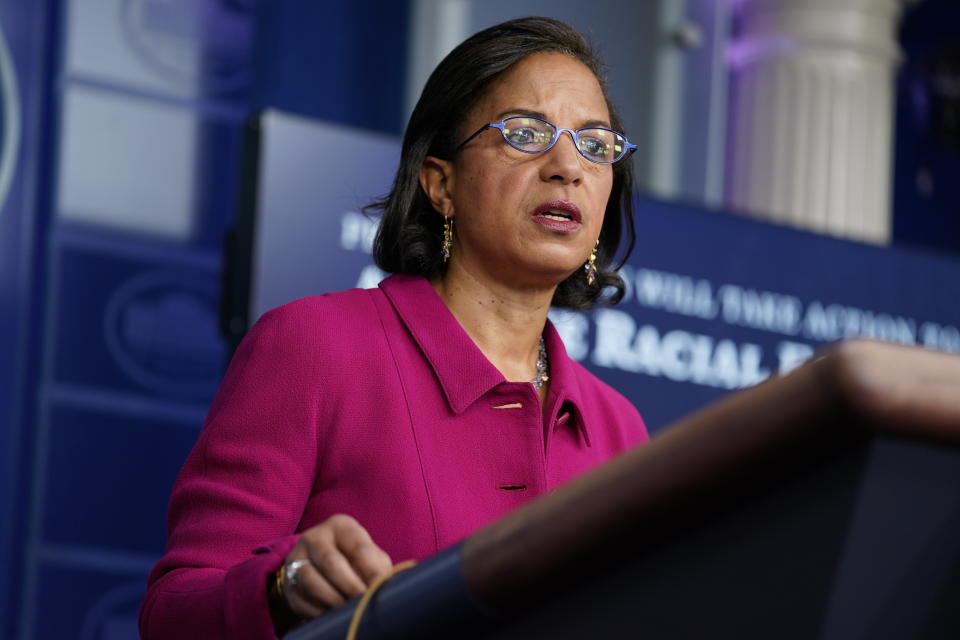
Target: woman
[{"x": 369, "y": 426}]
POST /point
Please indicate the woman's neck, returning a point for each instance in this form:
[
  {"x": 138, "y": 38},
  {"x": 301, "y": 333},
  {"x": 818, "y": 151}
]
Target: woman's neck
[{"x": 504, "y": 322}]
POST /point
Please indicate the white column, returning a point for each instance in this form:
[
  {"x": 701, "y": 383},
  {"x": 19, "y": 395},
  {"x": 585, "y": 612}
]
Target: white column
[
  {"x": 666, "y": 134},
  {"x": 436, "y": 27},
  {"x": 811, "y": 118}
]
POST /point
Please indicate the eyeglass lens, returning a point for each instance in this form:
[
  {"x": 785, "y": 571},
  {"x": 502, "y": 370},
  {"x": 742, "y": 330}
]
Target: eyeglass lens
[{"x": 534, "y": 136}]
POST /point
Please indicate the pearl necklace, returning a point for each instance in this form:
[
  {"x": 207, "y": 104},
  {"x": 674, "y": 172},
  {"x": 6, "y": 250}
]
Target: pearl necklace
[{"x": 543, "y": 367}]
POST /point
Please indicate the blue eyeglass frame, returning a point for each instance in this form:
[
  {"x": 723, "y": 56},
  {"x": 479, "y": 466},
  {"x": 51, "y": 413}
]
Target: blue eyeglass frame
[{"x": 629, "y": 147}]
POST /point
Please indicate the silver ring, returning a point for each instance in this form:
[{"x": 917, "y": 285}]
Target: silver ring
[{"x": 290, "y": 571}]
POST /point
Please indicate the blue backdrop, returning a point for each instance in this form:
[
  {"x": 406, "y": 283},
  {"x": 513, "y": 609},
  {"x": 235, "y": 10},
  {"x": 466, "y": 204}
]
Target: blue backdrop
[{"x": 714, "y": 303}]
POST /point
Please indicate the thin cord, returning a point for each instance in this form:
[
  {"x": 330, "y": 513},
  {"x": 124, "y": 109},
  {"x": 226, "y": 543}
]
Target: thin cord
[{"x": 368, "y": 596}]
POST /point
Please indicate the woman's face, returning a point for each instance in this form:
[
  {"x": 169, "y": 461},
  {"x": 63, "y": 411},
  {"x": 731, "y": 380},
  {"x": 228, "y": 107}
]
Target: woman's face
[{"x": 502, "y": 198}]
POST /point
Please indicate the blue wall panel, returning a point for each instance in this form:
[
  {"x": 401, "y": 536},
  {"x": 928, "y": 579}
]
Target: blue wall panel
[
  {"x": 136, "y": 325},
  {"x": 83, "y": 603},
  {"x": 153, "y": 99},
  {"x": 23, "y": 49},
  {"x": 148, "y": 100},
  {"x": 96, "y": 498}
]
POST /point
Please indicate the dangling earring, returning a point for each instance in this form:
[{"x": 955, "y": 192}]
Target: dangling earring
[
  {"x": 447, "y": 238},
  {"x": 591, "y": 266}
]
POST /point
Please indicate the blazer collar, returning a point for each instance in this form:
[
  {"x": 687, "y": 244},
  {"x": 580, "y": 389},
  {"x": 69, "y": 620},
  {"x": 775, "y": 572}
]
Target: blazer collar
[
  {"x": 464, "y": 372},
  {"x": 565, "y": 387}
]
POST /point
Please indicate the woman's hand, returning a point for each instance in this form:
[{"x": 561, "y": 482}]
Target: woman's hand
[{"x": 339, "y": 560}]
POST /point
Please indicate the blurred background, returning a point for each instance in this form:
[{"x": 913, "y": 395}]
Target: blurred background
[{"x": 171, "y": 168}]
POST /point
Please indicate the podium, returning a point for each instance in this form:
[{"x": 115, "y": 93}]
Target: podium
[{"x": 822, "y": 504}]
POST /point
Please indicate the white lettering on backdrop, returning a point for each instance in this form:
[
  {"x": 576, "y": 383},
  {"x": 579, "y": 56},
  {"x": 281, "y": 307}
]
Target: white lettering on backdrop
[{"x": 619, "y": 342}]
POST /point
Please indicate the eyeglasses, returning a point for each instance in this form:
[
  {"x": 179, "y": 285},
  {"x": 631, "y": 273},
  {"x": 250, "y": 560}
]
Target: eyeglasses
[{"x": 533, "y": 135}]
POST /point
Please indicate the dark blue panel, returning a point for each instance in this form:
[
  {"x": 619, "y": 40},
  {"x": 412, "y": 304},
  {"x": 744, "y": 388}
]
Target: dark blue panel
[
  {"x": 86, "y": 605},
  {"x": 219, "y": 145},
  {"x": 24, "y": 134},
  {"x": 338, "y": 61},
  {"x": 926, "y": 200},
  {"x": 137, "y": 325},
  {"x": 108, "y": 479}
]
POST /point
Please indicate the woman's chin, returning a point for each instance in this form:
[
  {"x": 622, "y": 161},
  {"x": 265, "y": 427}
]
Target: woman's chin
[
  {"x": 553, "y": 275},
  {"x": 529, "y": 273},
  {"x": 560, "y": 270}
]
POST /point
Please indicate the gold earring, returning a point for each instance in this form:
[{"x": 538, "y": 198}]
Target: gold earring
[
  {"x": 591, "y": 266},
  {"x": 447, "y": 238}
]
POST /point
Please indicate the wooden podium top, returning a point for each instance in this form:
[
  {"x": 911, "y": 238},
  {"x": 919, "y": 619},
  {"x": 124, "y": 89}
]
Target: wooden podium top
[{"x": 703, "y": 462}]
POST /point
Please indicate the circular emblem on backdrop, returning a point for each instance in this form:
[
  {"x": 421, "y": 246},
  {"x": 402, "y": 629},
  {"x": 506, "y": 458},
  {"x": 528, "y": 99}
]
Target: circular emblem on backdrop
[
  {"x": 205, "y": 43},
  {"x": 161, "y": 329},
  {"x": 113, "y": 615},
  {"x": 9, "y": 120}
]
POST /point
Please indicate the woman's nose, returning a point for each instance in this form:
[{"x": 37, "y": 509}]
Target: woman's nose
[{"x": 563, "y": 161}]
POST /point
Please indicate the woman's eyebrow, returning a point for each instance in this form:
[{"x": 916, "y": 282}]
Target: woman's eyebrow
[
  {"x": 521, "y": 112},
  {"x": 596, "y": 123},
  {"x": 542, "y": 116}
]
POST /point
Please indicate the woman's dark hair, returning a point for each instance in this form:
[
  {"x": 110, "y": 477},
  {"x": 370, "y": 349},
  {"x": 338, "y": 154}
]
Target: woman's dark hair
[{"x": 410, "y": 233}]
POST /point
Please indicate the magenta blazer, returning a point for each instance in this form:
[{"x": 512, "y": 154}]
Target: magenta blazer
[{"x": 373, "y": 403}]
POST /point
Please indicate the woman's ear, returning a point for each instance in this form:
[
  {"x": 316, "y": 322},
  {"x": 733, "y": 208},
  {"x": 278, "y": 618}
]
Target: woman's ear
[{"x": 436, "y": 180}]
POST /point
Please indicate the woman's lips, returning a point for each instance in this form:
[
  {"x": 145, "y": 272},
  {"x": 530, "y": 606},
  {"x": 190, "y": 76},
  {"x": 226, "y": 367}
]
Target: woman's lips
[{"x": 561, "y": 216}]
